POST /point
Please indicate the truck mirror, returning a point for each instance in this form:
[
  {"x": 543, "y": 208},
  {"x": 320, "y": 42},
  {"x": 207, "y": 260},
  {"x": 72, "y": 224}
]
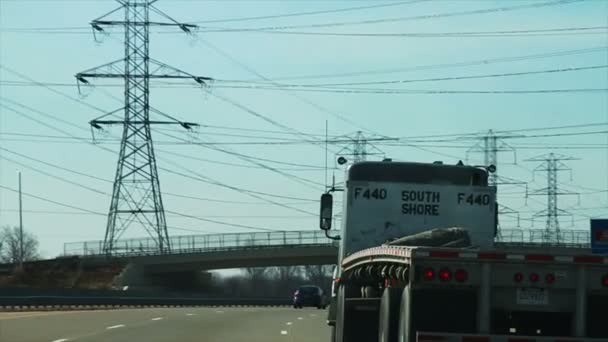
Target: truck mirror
[{"x": 326, "y": 211}]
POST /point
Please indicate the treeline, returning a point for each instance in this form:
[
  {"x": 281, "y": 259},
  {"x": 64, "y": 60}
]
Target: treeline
[{"x": 272, "y": 281}]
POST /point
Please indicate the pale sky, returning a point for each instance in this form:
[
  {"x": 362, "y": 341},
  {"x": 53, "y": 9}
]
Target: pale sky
[{"x": 48, "y": 41}]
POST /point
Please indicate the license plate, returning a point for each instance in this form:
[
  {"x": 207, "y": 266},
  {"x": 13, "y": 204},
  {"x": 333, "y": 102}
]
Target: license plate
[{"x": 532, "y": 297}]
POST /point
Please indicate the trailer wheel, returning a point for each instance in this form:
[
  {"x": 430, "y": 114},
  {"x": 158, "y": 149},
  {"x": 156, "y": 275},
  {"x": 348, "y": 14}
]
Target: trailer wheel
[
  {"x": 388, "y": 320},
  {"x": 339, "y": 328},
  {"x": 403, "y": 319}
]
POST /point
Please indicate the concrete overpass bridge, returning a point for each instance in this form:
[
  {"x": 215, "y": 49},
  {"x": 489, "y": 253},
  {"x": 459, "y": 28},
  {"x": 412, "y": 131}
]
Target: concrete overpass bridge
[{"x": 192, "y": 254}]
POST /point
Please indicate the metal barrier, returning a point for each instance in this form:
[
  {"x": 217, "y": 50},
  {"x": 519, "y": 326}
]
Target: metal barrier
[
  {"x": 185, "y": 244},
  {"x": 43, "y": 302},
  {"x": 201, "y": 243},
  {"x": 580, "y": 238}
]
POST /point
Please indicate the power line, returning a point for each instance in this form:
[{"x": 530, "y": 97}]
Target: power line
[
  {"x": 263, "y": 77},
  {"x": 435, "y": 79},
  {"x": 551, "y": 32},
  {"x": 424, "y": 91},
  {"x": 486, "y": 61},
  {"x": 248, "y": 192},
  {"x": 562, "y": 31},
  {"x": 53, "y": 202},
  {"x": 56, "y": 166},
  {"x": 111, "y": 151},
  {"x": 454, "y": 78},
  {"x": 298, "y": 179},
  {"x": 410, "y": 18},
  {"x": 297, "y": 14},
  {"x": 107, "y": 194},
  {"x": 97, "y": 191},
  {"x": 255, "y": 194},
  {"x": 274, "y": 16},
  {"x": 223, "y": 223},
  {"x": 20, "y": 75}
]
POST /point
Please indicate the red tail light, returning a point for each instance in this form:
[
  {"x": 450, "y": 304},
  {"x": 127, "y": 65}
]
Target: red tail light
[
  {"x": 605, "y": 280},
  {"x": 518, "y": 277},
  {"x": 461, "y": 276},
  {"x": 550, "y": 278},
  {"x": 429, "y": 274},
  {"x": 445, "y": 274},
  {"x": 534, "y": 277}
]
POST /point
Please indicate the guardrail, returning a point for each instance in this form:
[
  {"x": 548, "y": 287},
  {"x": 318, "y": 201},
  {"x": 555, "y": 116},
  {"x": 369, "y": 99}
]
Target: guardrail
[
  {"x": 22, "y": 303},
  {"x": 200, "y": 243}
]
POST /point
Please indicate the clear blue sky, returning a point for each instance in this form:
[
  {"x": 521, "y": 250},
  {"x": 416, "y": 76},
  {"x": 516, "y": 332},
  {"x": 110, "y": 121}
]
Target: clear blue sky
[{"x": 30, "y": 46}]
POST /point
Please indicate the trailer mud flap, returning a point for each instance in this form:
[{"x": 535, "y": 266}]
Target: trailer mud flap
[{"x": 357, "y": 320}]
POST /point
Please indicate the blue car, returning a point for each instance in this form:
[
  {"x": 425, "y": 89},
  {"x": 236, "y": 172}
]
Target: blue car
[{"x": 309, "y": 295}]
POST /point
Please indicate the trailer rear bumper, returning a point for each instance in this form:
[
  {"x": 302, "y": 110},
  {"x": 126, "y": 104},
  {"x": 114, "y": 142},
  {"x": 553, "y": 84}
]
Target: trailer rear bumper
[{"x": 447, "y": 337}]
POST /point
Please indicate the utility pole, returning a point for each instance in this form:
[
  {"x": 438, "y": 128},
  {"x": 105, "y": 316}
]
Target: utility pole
[
  {"x": 552, "y": 164},
  {"x": 136, "y": 196},
  {"x": 20, "y": 225}
]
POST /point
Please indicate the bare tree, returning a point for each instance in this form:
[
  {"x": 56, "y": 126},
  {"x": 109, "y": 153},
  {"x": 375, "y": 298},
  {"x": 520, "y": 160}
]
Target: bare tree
[
  {"x": 319, "y": 275},
  {"x": 258, "y": 280},
  {"x": 10, "y": 251},
  {"x": 286, "y": 273}
]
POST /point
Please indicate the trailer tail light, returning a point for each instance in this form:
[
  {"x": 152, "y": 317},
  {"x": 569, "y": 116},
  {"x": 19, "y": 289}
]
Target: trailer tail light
[
  {"x": 518, "y": 277},
  {"x": 534, "y": 277},
  {"x": 461, "y": 275},
  {"x": 445, "y": 274},
  {"x": 605, "y": 280},
  {"x": 429, "y": 274},
  {"x": 550, "y": 278}
]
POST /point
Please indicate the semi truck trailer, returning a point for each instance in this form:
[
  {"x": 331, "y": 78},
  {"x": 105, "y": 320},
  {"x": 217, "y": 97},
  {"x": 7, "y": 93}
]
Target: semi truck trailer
[{"x": 419, "y": 261}]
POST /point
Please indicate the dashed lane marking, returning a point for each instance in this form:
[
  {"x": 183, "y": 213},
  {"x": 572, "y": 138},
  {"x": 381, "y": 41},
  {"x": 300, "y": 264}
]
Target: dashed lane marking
[
  {"x": 289, "y": 323},
  {"x": 300, "y": 318},
  {"x": 61, "y": 340},
  {"x": 189, "y": 314},
  {"x": 115, "y": 326},
  {"x": 157, "y": 318},
  {"x": 283, "y": 332}
]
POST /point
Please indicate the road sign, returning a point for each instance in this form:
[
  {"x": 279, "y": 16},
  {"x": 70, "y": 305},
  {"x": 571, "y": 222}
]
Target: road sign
[{"x": 599, "y": 236}]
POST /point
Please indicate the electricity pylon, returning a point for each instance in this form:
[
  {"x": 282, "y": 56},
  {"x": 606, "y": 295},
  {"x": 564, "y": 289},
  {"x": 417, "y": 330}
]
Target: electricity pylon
[{"x": 136, "y": 196}]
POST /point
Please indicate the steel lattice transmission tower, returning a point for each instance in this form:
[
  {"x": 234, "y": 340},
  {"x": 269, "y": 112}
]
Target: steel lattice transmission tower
[
  {"x": 552, "y": 164},
  {"x": 490, "y": 145},
  {"x": 136, "y": 196},
  {"x": 359, "y": 147}
]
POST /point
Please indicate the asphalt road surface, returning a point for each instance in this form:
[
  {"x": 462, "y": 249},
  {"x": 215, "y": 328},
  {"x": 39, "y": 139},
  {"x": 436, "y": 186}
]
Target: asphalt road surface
[{"x": 229, "y": 324}]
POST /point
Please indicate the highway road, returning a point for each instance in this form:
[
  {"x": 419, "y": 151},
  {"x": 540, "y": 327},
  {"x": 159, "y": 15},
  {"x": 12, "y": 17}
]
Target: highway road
[{"x": 229, "y": 324}]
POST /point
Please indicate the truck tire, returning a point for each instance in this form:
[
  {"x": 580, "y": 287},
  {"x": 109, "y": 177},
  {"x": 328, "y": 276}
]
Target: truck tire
[
  {"x": 388, "y": 320},
  {"x": 403, "y": 303},
  {"x": 339, "y": 328}
]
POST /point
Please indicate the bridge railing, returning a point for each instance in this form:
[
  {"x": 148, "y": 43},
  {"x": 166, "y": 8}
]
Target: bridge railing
[
  {"x": 580, "y": 238},
  {"x": 199, "y": 243}
]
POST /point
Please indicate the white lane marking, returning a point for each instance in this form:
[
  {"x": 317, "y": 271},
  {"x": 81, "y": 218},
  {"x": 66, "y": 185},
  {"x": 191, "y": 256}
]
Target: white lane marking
[
  {"x": 300, "y": 318},
  {"x": 313, "y": 315},
  {"x": 283, "y": 332},
  {"x": 115, "y": 326},
  {"x": 289, "y": 323},
  {"x": 189, "y": 314},
  {"x": 61, "y": 340},
  {"x": 157, "y": 318},
  {"x": 219, "y": 311}
]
